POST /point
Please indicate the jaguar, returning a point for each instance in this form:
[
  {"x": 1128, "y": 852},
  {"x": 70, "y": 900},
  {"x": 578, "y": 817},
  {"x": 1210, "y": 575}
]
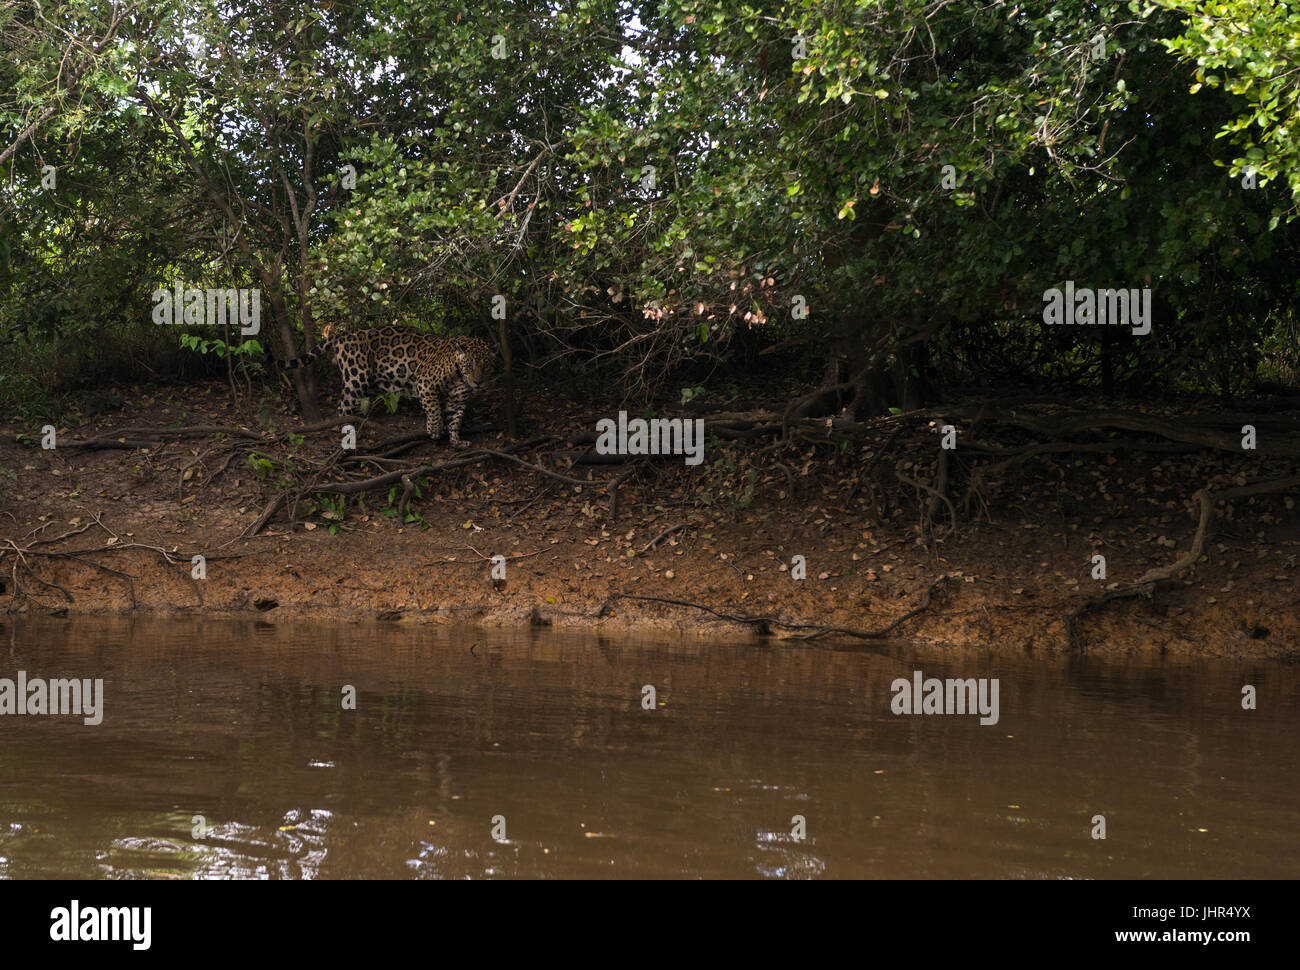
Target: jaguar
[{"x": 439, "y": 371}]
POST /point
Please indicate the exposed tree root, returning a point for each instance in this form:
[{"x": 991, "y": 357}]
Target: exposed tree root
[
  {"x": 927, "y": 515},
  {"x": 1145, "y": 584},
  {"x": 982, "y": 459},
  {"x": 87, "y": 557},
  {"x": 764, "y": 624}
]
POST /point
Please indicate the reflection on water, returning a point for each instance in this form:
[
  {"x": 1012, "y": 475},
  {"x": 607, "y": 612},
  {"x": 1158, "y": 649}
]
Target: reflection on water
[{"x": 226, "y": 751}]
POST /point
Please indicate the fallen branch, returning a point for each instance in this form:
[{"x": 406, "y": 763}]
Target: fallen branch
[
  {"x": 1182, "y": 430},
  {"x": 194, "y": 431},
  {"x": 272, "y": 507},
  {"x": 110, "y": 444},
  {"x": 402, "y": 475},
  {"x": 662, "y": 536}
]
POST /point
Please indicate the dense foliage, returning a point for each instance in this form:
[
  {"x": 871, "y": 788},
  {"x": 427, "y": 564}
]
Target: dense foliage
[{"x": 652, "y": 184}]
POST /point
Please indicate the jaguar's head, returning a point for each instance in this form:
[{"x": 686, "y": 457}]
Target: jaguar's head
[{"x": 474, "y": 359}]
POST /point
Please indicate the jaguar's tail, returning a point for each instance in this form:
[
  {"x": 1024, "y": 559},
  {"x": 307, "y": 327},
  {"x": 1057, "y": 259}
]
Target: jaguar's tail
[{"x": 293, "y": 363}]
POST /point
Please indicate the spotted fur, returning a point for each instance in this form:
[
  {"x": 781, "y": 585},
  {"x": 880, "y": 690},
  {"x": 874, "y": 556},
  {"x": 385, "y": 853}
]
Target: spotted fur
[{"x": 439, "y": 371}]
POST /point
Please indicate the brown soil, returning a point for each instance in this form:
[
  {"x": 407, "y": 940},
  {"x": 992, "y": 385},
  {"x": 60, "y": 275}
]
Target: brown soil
[{"x": 1004, "y": 582}]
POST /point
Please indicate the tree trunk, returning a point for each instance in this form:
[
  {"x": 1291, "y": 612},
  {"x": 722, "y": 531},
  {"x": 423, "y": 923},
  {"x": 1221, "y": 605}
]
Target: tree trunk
[
  {"x": 910, "y": 379},
  {"x": 509, "y": 380},
  {"x": 1107, "y": 365},
  {"x": 304, "y": 381}
]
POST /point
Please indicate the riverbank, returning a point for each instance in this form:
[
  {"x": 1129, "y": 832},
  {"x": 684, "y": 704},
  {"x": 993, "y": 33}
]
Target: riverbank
[{"x": 711, "y": 551}]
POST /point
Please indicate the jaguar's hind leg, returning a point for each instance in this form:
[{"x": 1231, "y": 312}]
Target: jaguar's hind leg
[{"x": 353, "y": 391}]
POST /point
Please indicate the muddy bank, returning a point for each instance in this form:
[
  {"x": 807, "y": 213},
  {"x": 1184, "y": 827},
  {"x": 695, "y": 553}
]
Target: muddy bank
[
  {"x": 353, "y": 576},
  {"x": 109, "y": 530}
]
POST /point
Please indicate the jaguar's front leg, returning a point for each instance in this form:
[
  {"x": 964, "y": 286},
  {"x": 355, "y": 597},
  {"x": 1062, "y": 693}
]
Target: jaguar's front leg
[
  {"x": 455, "y": 411},
  {"x": 430, "y": 401}
]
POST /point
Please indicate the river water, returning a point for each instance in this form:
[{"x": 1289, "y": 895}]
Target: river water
[{"x": 227, "y": 749}]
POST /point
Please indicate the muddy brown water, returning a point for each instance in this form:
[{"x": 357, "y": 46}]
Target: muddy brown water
[{"x": 225, "y": 750}]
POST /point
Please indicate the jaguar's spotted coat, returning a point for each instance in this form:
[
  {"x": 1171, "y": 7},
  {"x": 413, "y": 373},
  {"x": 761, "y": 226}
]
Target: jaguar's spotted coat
[{"x": 440, "y": 371}]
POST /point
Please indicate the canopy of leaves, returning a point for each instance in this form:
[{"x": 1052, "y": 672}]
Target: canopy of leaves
[{"x": 646, "y": 182}]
